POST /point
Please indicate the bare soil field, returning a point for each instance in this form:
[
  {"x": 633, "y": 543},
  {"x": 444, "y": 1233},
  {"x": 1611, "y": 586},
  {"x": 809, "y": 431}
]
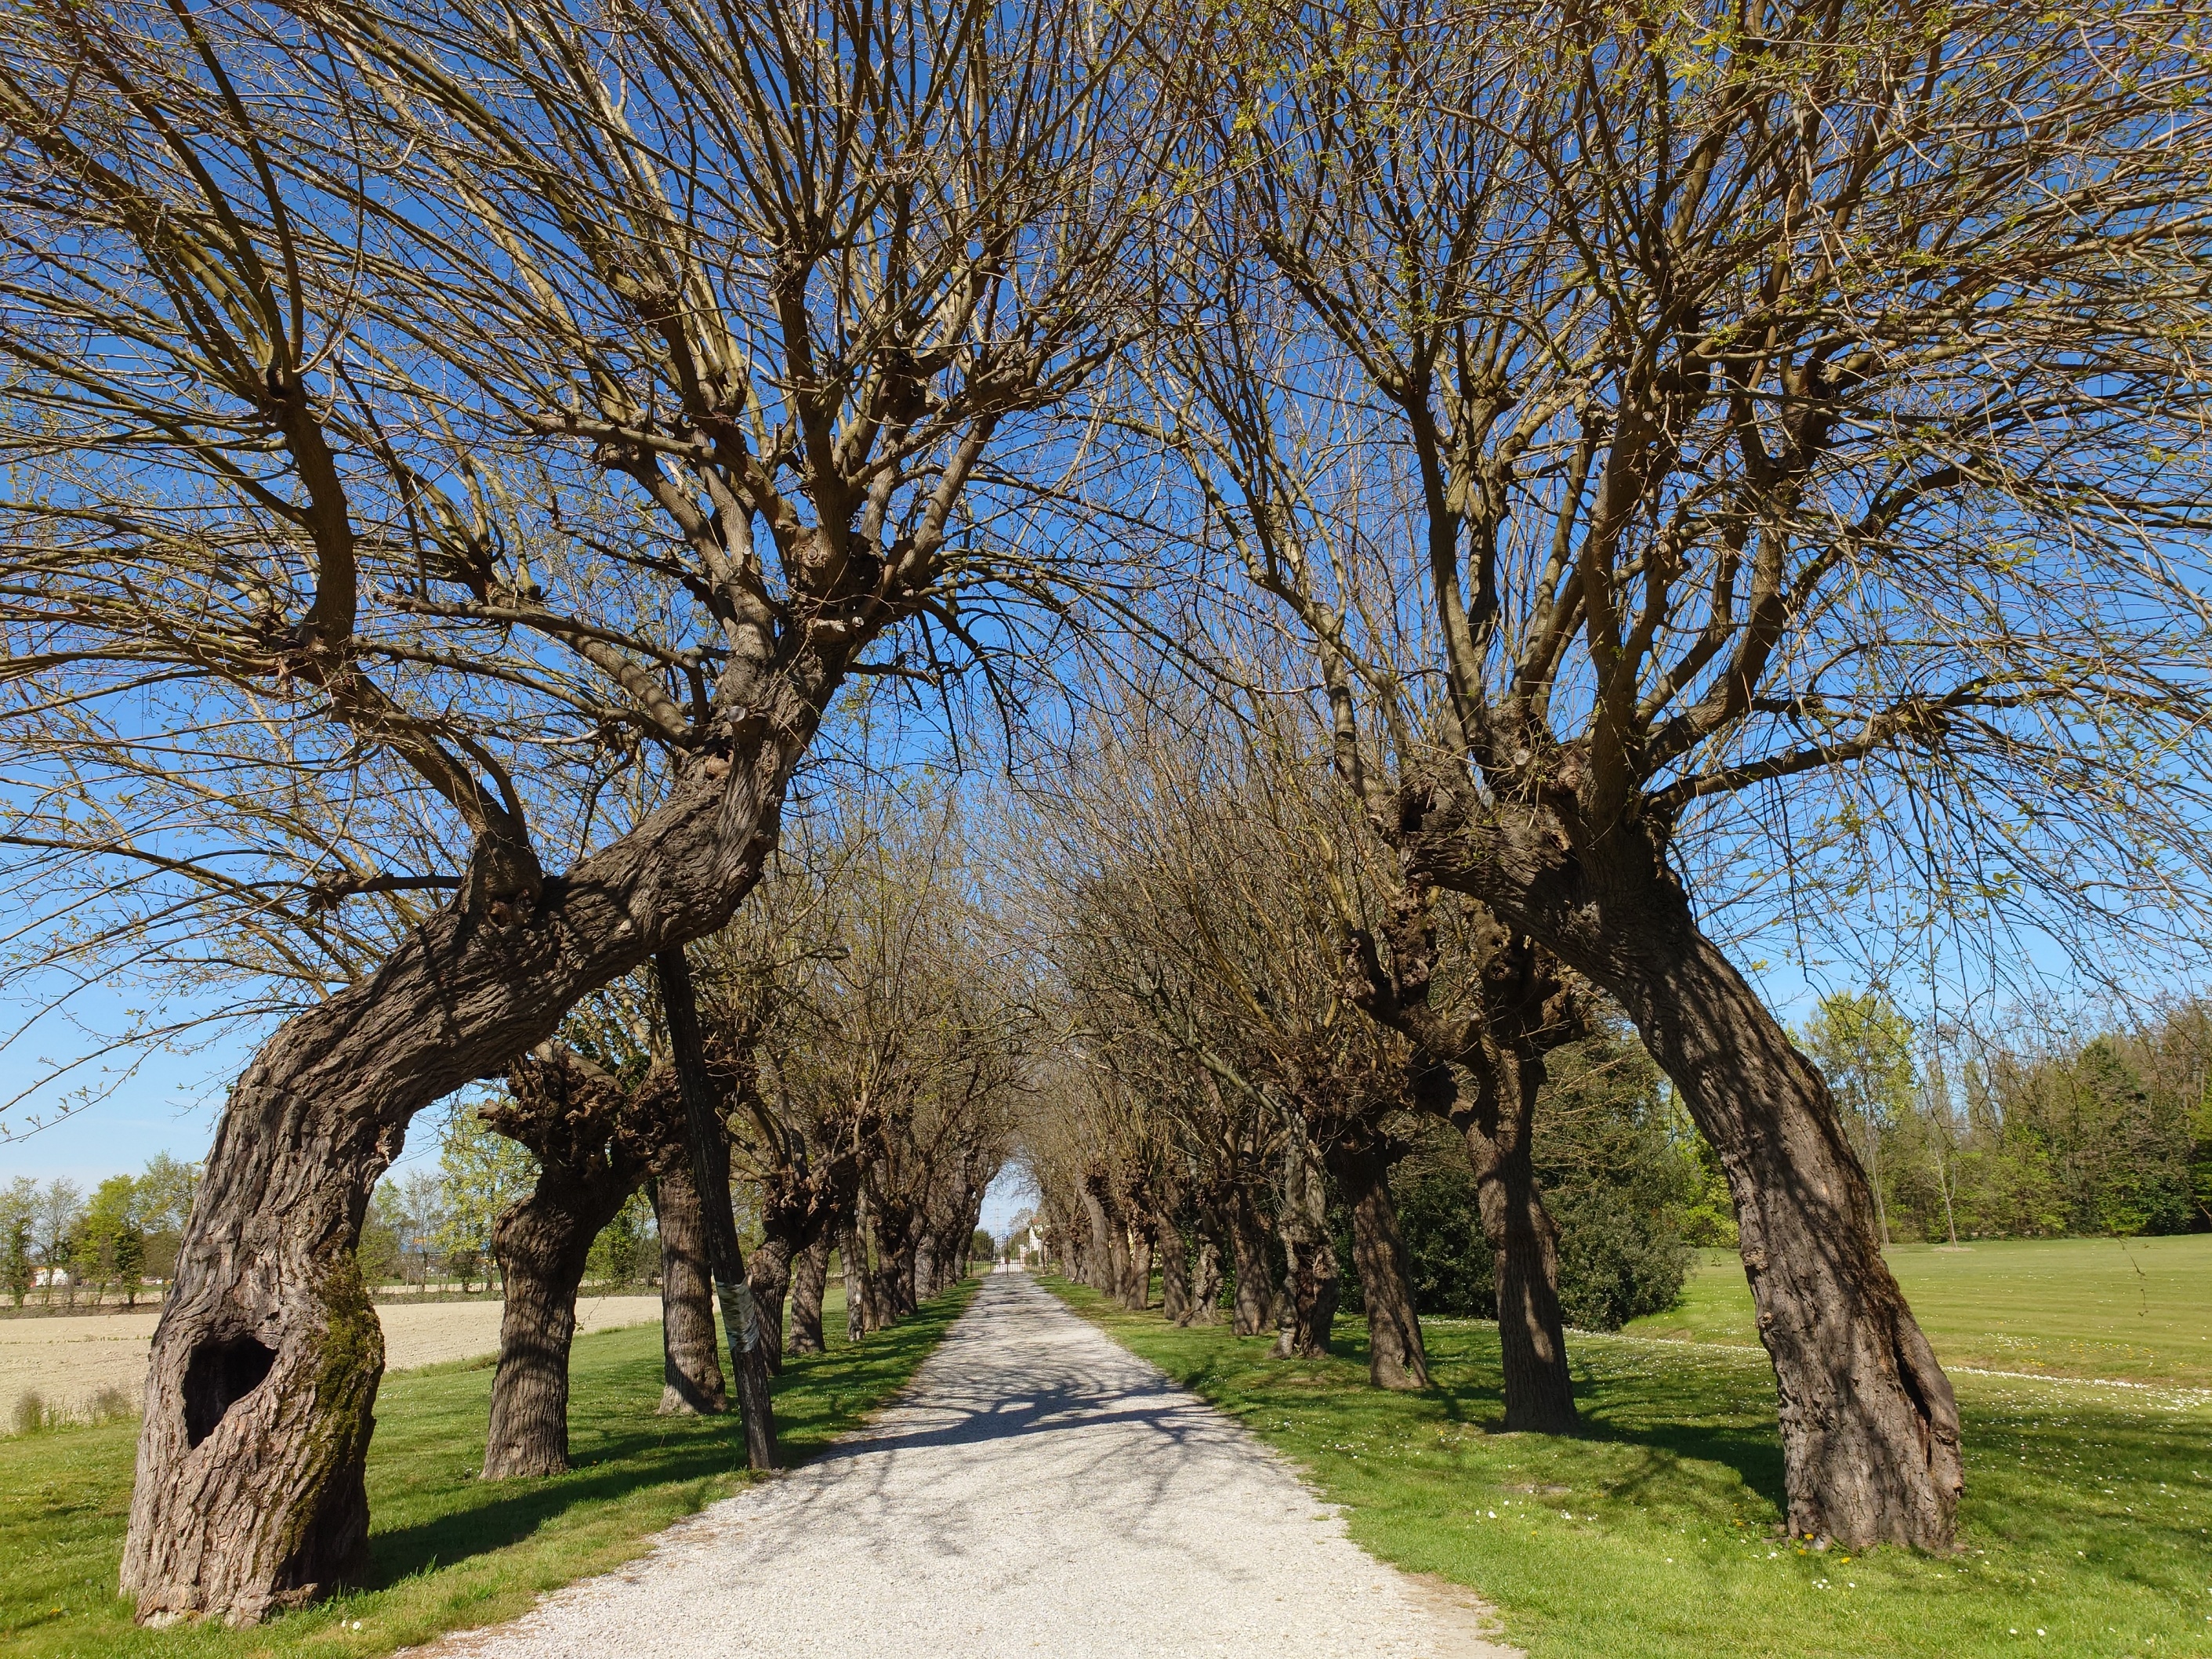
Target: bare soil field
[{"x": 68, "y": 1360}]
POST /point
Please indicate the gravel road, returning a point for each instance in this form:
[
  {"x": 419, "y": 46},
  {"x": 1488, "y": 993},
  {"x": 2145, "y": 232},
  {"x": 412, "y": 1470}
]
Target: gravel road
[{"x": 1038, "y": 1492}]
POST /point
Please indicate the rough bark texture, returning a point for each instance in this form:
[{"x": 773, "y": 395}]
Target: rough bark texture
[
  {"x": 808, "y": 1276},
  {"x": 1255, "y": 1304},
  {"x": 708, "y": 1133},
  {"x": 596, "y": 1140},
  {"x": 1496, "y": 1124},
  {"x": 1174, "y": 1254},
  {"x": 1869, "y": 1427},
  {"x": 768, "y": 1276},
  {"x": 262, "y": 1380},
  {"x": 1205, "y": 1283},
  {"x": 1397, "y": 1357},
  {"x": 1136, "y": 1280},
  {"x": 1310, "y": 1276},
  {"x": 691, "y": 1370},
  {"x": 1098, "y": 1270}
]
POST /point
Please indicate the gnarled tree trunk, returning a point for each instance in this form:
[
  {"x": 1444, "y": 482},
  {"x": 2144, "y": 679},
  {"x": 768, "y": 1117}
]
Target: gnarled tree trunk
[
  {"x": 808, "y": 1275},
  {"x": 263, "y": 1377},
  {"x": 768, "y": 1277},
  {"x": 690, "y": 1371},
  {"x": 1869, "y": 1426},
  {"x": 1137, "y": 1270},
  {"x": 1397, "y": 1357}
]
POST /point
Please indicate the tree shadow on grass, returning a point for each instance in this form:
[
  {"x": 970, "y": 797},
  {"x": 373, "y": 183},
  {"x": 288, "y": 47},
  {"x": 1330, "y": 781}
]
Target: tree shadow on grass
[{"x": 620, "y": 1448}]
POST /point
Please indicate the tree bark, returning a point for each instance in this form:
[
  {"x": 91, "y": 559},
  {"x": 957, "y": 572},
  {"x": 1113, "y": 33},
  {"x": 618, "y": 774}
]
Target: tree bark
[
  {"x": 1205, "y": 1283},
  {"x": 1309, "y": 1277},
  {"x": 710, "y": 1175},
  {"x": 1137, "y": 1285},
  {"x": 1869, "y": 1426},
  {"x": 1255, "y": 1302},
  {"x": 1174, "y": 1251},
  {"x": 262, "y": 1380},
  {"x": 808, "y": 1274},
  {"x": 541, "y": 1243},
  {"x": 768, "y": 1277},
  {"x": 1524, "y": 1240},
  {"x": 849, "y": 1248},
  {"x": 1397, "y": 1357},
  {"x": 691, "y": 1373},
  {"x": 1100, "y": 1271}
]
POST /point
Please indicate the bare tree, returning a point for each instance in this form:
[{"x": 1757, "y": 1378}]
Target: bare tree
[
  {"x": 631, "y": 399},
  {"x": 1792, "y": 426}
]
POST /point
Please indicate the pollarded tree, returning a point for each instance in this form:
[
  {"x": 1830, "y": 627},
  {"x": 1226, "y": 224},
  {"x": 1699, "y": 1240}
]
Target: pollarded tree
[
  {"x": 1791, "y": 423},
  {"x": 444, "y": 389}
]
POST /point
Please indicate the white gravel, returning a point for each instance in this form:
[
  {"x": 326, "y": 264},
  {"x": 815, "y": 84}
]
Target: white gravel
[{"x": 1037, "y": 1491}]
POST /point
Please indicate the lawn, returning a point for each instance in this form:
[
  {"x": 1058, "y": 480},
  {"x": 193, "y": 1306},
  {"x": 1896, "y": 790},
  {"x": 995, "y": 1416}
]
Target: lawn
[
  {"x": 2136, "y": 1309},
  {"x": 2084, "y": 1530},
  {"x": 448, "y": 1550}
]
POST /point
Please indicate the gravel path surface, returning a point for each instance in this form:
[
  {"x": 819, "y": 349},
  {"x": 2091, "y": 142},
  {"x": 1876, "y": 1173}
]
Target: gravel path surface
[{"x": 1038, "y": 1492}]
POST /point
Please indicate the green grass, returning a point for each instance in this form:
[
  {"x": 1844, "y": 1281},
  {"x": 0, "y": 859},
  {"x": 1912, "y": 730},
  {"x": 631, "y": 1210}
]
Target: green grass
[
  {"x": 448, "y": 1550},
  {"x": 2136, "y": 1309},
  {"x": 2086, "y": 1516}
]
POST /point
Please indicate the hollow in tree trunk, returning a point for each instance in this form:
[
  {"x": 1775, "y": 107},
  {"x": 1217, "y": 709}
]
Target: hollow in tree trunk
[
  {"x": 690, "y": 1371},
  {"x": 1397, "y": 1357},
  {"x": 808, "y": 1275},
  {"x": 1869, "y": 1426}
]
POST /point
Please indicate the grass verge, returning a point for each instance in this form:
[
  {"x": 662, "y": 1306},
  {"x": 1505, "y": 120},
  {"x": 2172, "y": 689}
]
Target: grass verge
[
  {"x": 448, "y": 1550},
  {"x": 2084, "y": 1530}
]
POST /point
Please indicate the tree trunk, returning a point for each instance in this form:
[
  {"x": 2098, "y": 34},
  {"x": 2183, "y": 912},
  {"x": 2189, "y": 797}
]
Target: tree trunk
[
  {"x": 262, "y": 1380},
  {"x": 691, "y": 1373},
  {"x": 808, "y": 1274},
  {"x": 1869, "y": 1427},
  {"x": 1255, "y": 1304},
  {"x": 1174, "y": 1250},
  {"x": 710, "y": 1175},
  {"x": 1205, "y": 1283},
  {"x": 1310, "y": 1276},
  {"x": 1137, "y": 1287},
  {"x": 541, "y": 1243},
  {"x": 768, "y": 1277},
  {"x": 1101, "y": 1271},
  {"x": 849, "y": 1249},
  {"x": 1539, "y": 1393},
  {"x": 1397, "y": 1356}
]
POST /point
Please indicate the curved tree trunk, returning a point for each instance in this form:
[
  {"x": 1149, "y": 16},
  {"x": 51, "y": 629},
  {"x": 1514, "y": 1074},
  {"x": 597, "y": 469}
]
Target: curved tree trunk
[
  {"x": 1869, "y": 1426},
  {"x": 1174, "y": 1251},
  {"x": 691, "y": 1370},
  {"x": 1099, "y": 1270},
  {"x": 1137, "y": 1284},
  {"x": 262, "y": 1380},
  {"x": 1397, "y": 1357},
  {"x": 808, "y": 1275}
]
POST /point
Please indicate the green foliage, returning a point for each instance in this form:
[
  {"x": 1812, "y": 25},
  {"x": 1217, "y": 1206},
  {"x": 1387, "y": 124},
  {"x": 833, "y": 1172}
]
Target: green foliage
[
  {"x": 109, "y": 1245},
  {"x": 378, "y": 1252},
  {"x": 1652, "y": 1535},
  {"x": 981, "y": 1247},
  {"x": 446, "y": 1551},
  {"x": 628, "y": 1250},
  {"x": 1613, "y": 1177},
  {"x": 480, "y": 1173}
]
